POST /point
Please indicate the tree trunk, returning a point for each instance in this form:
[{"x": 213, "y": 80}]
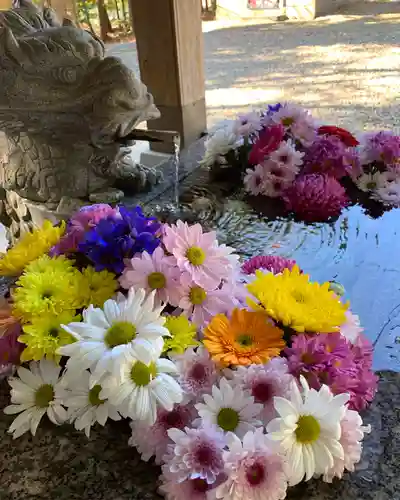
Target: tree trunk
[
  {"x": 123, "y": 10},
  {"x": 105, "y": 24},
  {"x": 117, "y": 9},
  {"x": 87, "y": 17}
]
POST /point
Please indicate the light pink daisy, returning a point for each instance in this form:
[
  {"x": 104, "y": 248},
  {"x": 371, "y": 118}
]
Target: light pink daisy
[
  {"x": 254, "y": 180},
  {"x": 352, "y": 435},
  {"x": 279, "y": 171},
  {"x": 189, "y": 489},
  {"x": 248, "y": 124},
  {"x": 351, "y": 329},
  {"x": 297, "y": 121},
  {"x": 255, "y": 470},
  {"x": 264, "y": 382},
  {"x": 196, "y": 454},
  {"x": 154, "y": 440},
  {"x": 201, "y": 304},
  {"x": 274, "y": 187},
  {"x": 197, "y": 372},
  {"x": 198, "y": 253},
  {"x": 157, "y": 272},
  {"x": 287, "y": 156}
]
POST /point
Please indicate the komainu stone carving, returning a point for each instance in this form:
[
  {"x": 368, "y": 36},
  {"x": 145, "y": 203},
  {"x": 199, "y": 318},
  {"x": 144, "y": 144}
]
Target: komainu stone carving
[{"x": 65, "y": 109}]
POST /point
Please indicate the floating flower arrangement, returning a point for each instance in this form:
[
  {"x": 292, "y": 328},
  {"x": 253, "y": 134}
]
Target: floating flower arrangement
[
  {"x": 240, "y": 379},
  {"x": 312, "y": 171}
]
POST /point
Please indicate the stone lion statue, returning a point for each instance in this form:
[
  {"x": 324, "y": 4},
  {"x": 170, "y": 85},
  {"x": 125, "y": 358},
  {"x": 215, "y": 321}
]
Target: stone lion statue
[{"x": 65, "y": 109}]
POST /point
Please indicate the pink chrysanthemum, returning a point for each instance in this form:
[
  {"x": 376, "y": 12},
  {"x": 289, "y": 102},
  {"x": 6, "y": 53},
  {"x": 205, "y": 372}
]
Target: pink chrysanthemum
[
  {"x": 272, "y": 263},
  {"x": 197, "y": 372},
  {"x": 351, "y": 329},
  {"x": 86, "y": 218},
  {"x": 255, "y": 471},
  {"x": 189, "y": 489},
  {"x": 264, "y": 382},
  {"x": 254, "y": 180},
  {"x": 268, "y": 141},
  {"x": 196, "y": 454},
  {"x": 157, "y": 272},
  {"x": 201, "y": 304},
  {"x": 382, "y": 147},
  {"x": 327, "y": 155},
  {"x": 332, "y": 360},
  {"x": 199, "y": 254},
  {"x": 351, "y": 438},
  {"x": 10, "y": 350},
  {"x": 154, "y": 440},
  {"x": 315, "y": 197}
]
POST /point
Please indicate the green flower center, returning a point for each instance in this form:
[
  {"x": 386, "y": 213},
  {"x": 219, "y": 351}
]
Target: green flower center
[
  {"x": 156, "y": 280},
  {"x": 371, "y": 185},
  {"x": 47, "y": 294},
  {"x": 308, "y": 429},
  {"x": 196, "y": 256},
  {"x": 287, "y": 121},
  {"x": 244, "y": 340},
  {"x": 44, "y": 395},
  {"x": 121, "y": 332},
  {"x": 197, "y": 295},
  {"x": 94, "y": 399},
  {"x": 142, "y": 374},
  {"x": 53, "y": 332},
  {"x": 228, "y": 419}
]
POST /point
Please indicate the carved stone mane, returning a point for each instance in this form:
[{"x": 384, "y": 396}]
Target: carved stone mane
[{"x": 63, "y": 107}]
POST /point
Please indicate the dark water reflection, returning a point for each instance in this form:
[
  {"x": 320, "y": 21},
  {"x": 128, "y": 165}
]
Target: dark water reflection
[{"x": 357, "y": 251}]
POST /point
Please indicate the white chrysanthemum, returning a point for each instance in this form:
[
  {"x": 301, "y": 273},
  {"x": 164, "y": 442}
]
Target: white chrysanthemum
[
  {"x": 107, "y": 335},
  {"x": 254, "y": 468},
  {"x": 219, "y": 144},
  {"x": 230, "y": 408},
  {"x": 308, "y": 430},
  {"x": 84, "y": 406},
  {"x": 372, "y": 182},
  {"x": 33, "y": 394},
  {"x": 140, "y": 385},
  {"x": 389, "y": 194}
]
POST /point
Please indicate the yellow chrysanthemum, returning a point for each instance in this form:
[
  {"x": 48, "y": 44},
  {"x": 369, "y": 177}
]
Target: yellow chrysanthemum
[
  {"x": 51, "y": 292},
  {"x": 31, "y": 246},
  {"x": 294, "y": 301},
  {"x": 183, "y": 334},
  {"x": 44, "y": 336},
  {"x": 98, "y": 286},
  {"x": 45, "y": 264}
]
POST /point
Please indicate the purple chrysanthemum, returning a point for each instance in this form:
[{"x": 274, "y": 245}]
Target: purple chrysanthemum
[
  {"x": 315, "y": 197},
  {"x": 196, "y": 454},
  {"x": 272, "y": 263},
  {"x": 327, "y": 155},
  {"x": 332, "y": 360},
  {"x": 116, "y": 239},
  {"x": 382, "y": 147}
]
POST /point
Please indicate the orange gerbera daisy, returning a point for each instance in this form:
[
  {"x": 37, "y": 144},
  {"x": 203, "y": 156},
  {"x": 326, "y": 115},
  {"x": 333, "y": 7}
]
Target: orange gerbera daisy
[{"x": 247, "y": 338}]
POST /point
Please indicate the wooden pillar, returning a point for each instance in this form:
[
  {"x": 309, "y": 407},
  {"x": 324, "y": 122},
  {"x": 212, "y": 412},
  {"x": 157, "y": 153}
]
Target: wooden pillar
[
  {"x": 5, "y": 4},
  {"x": 170, "y": 48}
]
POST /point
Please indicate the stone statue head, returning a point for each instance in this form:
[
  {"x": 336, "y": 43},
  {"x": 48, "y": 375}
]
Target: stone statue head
[{"x": 63, "y": 107}]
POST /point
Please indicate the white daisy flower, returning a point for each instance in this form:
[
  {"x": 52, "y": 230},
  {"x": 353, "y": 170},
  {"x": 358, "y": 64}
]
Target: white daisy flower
[
  {"x": 308, "y": 430},
  {"x": 219, "y": 144},
  {"x": 230, "y": 408},
  {"x": 372, "y": 182},
  {"x": 248, "y": 124},
  {"x": 84, "y": 406},
  {"x": 389, "y": 194},
  {"x": 107, "y": 335},
  {"x": 142, "y": 384},
  {"x": 33, "y": 394}
]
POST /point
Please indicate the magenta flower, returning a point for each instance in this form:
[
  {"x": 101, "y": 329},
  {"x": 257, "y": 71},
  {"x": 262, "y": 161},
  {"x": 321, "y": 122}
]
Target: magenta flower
[
  {"x": 196, "y": 454},
  {"x": 315, "y": 197},
  {"x": 10, "y": 349},
  {"x": 327, "y": 155},
  {"x": 272, "y": 263},
  {"x": 268, "y": 141},
  {"x": 154, "y": 440},
  {"x": 157, "y": 272},
  {"x": 86, "y": 218},
  {"x": 199, "y": 254}
]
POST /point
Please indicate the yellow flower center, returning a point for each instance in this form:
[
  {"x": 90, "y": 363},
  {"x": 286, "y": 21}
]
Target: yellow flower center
[
  {"x": 142, "y": 374},
  {"x": 228, "y": 419},
  {"x": 287, "y": 121},
  {"x": 121, "y": 332},
  {"x": 156, "y": 280},
  {"x": 44, "y": 395},
  {"x": 195, "y": 256},
  {"x": 244, "y": 340},
  {"x": 94, "y": 399},
  {"x": 197, "y": 295},
  {"x": 308, "y": 429}
]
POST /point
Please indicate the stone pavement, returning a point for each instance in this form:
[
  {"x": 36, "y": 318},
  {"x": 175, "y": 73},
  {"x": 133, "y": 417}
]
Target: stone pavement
[{"x": 343, "y": 67}]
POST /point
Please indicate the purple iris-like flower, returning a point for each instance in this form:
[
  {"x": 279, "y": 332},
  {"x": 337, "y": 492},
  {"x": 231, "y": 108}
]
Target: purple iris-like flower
[{"x": 116, "y": 239}]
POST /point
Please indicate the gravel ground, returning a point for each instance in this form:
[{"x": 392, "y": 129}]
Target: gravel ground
[{"x": 344, "y": 67}]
